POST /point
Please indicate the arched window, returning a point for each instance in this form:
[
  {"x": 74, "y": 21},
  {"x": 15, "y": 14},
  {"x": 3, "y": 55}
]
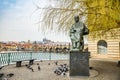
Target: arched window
[{"x": 102, "y": 47}]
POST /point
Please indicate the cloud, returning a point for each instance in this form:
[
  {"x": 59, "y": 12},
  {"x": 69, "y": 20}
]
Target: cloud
[{"x": 18, "y": 22}]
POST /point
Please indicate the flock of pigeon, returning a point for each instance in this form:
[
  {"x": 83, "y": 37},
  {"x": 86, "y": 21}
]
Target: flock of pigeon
[
  {"x": 61, "y": 69},
  {"x": 30, "y": 67},
  {"x": 2, "y": 74}
]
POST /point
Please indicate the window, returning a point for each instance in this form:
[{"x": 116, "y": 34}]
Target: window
[{"x": 102, "y": 47}]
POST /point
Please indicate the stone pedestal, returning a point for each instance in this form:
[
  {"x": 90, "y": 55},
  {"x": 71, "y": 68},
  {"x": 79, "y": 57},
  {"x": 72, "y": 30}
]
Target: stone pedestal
[{"x": 79, "y": 63}]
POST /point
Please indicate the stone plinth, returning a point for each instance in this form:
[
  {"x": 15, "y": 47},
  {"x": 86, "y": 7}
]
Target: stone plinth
[{"x": 79, "y": 63}]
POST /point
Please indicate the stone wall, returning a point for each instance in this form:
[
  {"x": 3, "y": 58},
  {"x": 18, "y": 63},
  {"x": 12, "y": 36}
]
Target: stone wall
[{"x": 112, "y": 48}]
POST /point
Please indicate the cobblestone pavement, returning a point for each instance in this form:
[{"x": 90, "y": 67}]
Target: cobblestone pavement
[{"x": 102, "y": 70}]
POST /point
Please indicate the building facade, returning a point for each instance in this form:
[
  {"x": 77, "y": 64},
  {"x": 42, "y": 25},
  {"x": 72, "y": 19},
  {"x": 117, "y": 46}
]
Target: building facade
[{"x": 107, "y": 45}]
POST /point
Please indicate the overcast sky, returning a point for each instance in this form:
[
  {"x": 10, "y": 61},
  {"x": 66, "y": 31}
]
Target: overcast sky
[{"x": 18, "y": 21}]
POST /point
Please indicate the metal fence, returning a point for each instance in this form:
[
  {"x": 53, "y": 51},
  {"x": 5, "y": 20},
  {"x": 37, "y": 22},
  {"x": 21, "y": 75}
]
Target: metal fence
[{"x": 7, "y": 58}]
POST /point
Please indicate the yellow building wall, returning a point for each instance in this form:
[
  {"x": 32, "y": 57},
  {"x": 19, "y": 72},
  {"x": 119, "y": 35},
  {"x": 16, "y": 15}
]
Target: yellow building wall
[{"x": 113, "y": 44}]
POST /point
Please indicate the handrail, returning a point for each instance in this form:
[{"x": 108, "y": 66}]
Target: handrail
[{"x": 7, "y": 58}]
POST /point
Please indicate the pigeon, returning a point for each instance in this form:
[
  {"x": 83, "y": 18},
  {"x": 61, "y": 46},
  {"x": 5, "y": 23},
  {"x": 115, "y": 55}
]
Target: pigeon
[
  {"x": 56, "y": 62},
  {"x": 39, "y": 68},
  {"x": 37, "y": 63},
  {"x": 10, "y": 75},
  {"x": 1, "y": 75},
  {"x": 32, "y": 70},
  {"x": 61, "y": 65},
  {"x": 65, "y": 69},
  {"x": 65, "y": 64},
  {"x": 1, "y": 67},
  {"x": 57, "y": 71},
  {"x": 63, "y": 73},
  {"x": 28, "y": 66},
  {"x": 61, "y": 70},
  {"x": 48, "y": 63}
]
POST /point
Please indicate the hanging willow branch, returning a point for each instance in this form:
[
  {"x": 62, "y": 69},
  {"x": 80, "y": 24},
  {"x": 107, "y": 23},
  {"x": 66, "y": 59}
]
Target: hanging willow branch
[{"x": 98, "y": 15}]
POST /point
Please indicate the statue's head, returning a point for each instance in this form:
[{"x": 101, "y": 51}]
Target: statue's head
[{"x": 76, "y": 18}]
